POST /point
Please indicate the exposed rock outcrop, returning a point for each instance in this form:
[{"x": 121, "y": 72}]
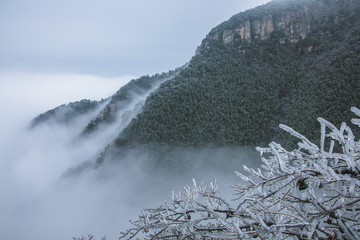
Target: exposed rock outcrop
[
  {"x": 294, "y": 18},
  {"x": 244, "y": 31}
]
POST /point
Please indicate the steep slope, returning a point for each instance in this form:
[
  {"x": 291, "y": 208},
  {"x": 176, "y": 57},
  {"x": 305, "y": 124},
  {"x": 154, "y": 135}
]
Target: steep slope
[
  {"x": 284, "y": 62},
  {"x": 288, "y": 61},
  {"x": 128, "y": 98},
  {"x": 108, "y": 115}
]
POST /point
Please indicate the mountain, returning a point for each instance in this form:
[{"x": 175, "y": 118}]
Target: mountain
[
  {"x": 126, "y": 99},
  {"x": 107, "y": 111},
  {"x": 288, "y": 61},
  {"x": 284, "y": 62},
  {"x": 65, "y": 114}
]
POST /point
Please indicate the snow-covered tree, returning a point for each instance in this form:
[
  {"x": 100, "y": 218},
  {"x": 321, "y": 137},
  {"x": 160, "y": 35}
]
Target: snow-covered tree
[{"x": 312, "y": 192}]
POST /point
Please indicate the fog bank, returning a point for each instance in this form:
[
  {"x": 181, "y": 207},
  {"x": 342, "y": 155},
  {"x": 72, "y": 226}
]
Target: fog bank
[{"x": 38, "y": 202}]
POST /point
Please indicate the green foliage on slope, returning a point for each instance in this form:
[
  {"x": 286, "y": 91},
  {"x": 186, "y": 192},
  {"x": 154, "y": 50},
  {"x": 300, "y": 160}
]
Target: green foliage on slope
[
  {"x": 66, "y": 113},
  {"x": 237, "y": 94},
  {"x": 123, "y": 98}
]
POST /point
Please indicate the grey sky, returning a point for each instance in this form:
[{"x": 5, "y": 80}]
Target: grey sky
[
  {"x": 107, "y": 37},
  {"x": 60, "y": 44}
]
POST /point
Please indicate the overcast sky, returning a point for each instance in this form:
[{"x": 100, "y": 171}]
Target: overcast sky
[
  {"x": 107, "y": 37},
  {"x": 57, "y": 51}
]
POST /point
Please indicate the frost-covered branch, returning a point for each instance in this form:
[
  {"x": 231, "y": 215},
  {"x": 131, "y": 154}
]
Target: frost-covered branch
[
  {"x": 312, "y": 192},
  {"x": 89, "y": 237}
]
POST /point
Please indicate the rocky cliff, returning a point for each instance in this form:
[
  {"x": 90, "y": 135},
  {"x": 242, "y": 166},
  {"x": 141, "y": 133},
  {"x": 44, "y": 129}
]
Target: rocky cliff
[{"x": 295, "y": 19}]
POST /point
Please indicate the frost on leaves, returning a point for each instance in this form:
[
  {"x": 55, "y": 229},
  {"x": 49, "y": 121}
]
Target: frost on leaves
[{"x": 312, "y": 192}]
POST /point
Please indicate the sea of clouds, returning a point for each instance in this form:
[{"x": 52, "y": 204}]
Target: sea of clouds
[{"x": 39, "y": 201}]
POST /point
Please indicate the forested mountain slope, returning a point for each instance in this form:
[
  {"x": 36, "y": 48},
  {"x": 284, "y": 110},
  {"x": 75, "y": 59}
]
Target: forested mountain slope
[
  {"x": 65, "y": 114},
  {"x": 288, "y": 61},
  {"x": 284, "y": 62},
  {"x": 118, "y": 107},
  {"x": 125, "y": 100}
]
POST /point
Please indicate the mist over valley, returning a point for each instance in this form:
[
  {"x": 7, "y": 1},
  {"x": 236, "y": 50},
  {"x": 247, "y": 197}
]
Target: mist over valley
[
  {"x": 46, "y": 196},
  {"x": 83, "y": 154}
]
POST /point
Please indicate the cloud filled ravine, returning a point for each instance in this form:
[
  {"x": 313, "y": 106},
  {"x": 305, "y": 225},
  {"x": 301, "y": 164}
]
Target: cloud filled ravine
[{"x": 41, "y": 200}]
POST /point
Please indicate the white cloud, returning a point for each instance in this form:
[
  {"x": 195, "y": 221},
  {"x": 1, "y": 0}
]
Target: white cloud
[
  {"x": 24, "y": 96},
  {"x": 34, "y": 203},
  {"x": 132, "y": 36},
  {"x": 160, "y": 35},
  {"x": 41, "y": 92},
  {"x": 37, "y": 203}
]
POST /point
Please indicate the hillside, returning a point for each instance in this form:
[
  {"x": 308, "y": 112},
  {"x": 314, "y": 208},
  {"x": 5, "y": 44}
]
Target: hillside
[
  {"x": 288, "y": 61},
  {"x": 102, "y": 114},
  {"x": 284, "y": 62},
  {"x": 65, "y": 114}
]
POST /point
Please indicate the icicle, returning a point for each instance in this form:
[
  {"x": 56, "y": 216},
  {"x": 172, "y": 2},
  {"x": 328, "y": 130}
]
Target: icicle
[
  {"x": 194, "y": 183},
  {"x": 328, "y": 124},
  {"x": 342, "y": 128},
  {"x": 267, "y": 164},
  {"x": 262, "y": 150},
  {"x": 350, "y": 162},
  {"x": 265, "y": 168},
  {"x": 356, "y": 121},
  {"x": 241, "y": 176},
  {"x": 247, "y": 169},
  {"x": 355, "y": 110},
  {"x": 333, "y": 173},
  {"x": 350, "y": 139},
  {"x": 213, "y": 187},
  {"x": 261, "y": 221},
  {"x": 352, "y": 186},
  {"x": 323, "y": 133},
  {"x": 281, "y": 162},
  {"x": 238, "y": 230},
  {"x": 331, "y": 148},
  {"x": 298, "y": 135},
  {"x": 335, "y": 133}
]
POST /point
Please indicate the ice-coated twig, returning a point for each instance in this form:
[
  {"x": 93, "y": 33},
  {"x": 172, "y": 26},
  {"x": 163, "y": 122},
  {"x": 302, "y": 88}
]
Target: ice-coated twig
[{"x": 308, "y": 193}]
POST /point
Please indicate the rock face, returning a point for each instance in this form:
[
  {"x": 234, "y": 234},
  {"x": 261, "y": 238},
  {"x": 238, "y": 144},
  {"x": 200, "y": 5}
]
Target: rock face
[
  {"x": 244, "y": 31},
  {"x": 294, "y": 18}
]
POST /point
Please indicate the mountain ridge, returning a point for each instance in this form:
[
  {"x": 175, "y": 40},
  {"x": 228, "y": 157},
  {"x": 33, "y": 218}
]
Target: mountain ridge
[
  {"x": 296, "y": 23},
  {"x": 283, "y": 62},
  {"x": 272, "y": 54}
]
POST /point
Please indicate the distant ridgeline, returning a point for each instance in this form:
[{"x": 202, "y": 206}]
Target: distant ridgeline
[
  {"x": 288, "y": 61},
  {"x": 66, "y": 113},
  {"x": 107, "y": 111}
]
